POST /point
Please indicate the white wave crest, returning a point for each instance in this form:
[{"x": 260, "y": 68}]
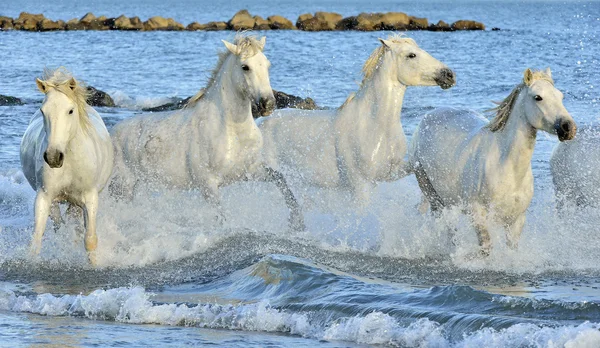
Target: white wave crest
[{"x": 134, "y": 305}]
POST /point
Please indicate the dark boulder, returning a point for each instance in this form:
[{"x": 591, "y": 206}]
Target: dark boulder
[
  {"x": 280, "y": 23},
  {"x": 6, "y": 23},
  {"x": 468, "y": 25},
  {"x": 176, "y": 103},
  {"x": 440, "y": 26},
  {"x": 6, "y": 100},
  {"x": 242, "y": 20},
  {"x": 284, "y": 100},
  {"x": 321, "y": 21},
  {"x": 97, "y": 97},
  {"x": 215, "y": 26}
]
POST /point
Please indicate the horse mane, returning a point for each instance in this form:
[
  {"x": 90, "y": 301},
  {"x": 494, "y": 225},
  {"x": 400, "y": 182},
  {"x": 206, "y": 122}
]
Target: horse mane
[
  {"x": 505, "y": 107},
  {"x": 59, "y": 79},
  {"x": 374, "y": 61},
  {"x": 248, "y": 45}
]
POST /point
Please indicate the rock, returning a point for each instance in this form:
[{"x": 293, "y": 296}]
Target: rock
[
  {"x": 49, "y": 25},
  {"x": 395, "y": 21},
  {"x": 99, "y": 98},
  {"x": 173, "y": 25},
  {"x": 496, "y": 29},
  {"x": 6, "y": 23},
  {"x": 280, "y": 23},
  {"x": 416, "y": 23},
  {"x": 348, "y": 23},
  {"x": 28, "y": 21},
  {"x": 88, "y": 18},
  {"x": 136, "y": 23},
  {"x": 214, "y": 26},
  {"x": 75, "y": 24},
  {"x": 261, "y": 23},
  {"x": 242, "y": 20},
  {"x": 467, "y": 25},
  {"x": 6, "y": 100},
  {"x": 284, "y": 100},
  {"x": 440, "y": 26},
  {"x": 195, "y": 26},
  {"x": 321, "y": 21},
  {"x": 122, "y": 23},
  {"x": 177, "y": 103},
  {"x": 156, "y": 23},
  {"x": 100, "y": 23}
]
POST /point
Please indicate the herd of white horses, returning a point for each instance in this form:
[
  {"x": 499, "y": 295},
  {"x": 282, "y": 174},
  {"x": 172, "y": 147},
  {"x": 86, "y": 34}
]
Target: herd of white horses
[{"x": 458, "y": 157}]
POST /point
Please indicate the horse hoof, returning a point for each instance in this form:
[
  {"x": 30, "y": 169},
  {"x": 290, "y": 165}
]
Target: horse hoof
[{"x": 93, "y": 259}]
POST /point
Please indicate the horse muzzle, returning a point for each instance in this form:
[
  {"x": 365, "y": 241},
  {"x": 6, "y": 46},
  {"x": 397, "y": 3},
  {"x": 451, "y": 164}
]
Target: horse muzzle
[
  {"x": 54, "y": 158},
  {"x": 565, "y": 129},
  {"x": 445, "y": 78},
  {"x": 264, "y": 107}
]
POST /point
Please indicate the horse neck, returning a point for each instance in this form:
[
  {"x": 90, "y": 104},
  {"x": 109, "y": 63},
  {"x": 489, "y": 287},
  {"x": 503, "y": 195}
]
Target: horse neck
[
  {"x": 517, "y": 140},
  {"x": 233, "y": 107},
  {"x": 382, "y": 94}
]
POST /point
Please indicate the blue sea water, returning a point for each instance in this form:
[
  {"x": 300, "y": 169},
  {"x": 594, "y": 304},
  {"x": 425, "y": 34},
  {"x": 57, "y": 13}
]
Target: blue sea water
[{"x": 386, "y": 275}]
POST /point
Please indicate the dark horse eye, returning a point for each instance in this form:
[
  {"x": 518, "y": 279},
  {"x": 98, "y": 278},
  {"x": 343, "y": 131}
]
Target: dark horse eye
[
  {"x": 412, "y": 55},
  {"x": 245, "y": 67},
  {"x": 538, "y": 98},
  {"x": 71, "y": 112}
]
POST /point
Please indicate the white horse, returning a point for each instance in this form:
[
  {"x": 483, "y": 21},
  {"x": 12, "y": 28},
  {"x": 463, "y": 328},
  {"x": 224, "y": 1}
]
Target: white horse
[
  {"x": 460, "y": 158},
  {"x": 66, "y": 155},
  {"x": 362, "y": 142},
  {"x": 213, "y": 141},
  {"x": 574, "y": 167}
]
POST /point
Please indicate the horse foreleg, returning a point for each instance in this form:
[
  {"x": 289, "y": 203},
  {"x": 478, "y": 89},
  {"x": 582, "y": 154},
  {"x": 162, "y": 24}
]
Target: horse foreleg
[
  {"x": 296, "y": 218},
  {"x": 479, "y": 217},
  {"x": 42, "y": 210},
  {"x": 435, "y": 201},
  {"x": 513, "y": 232},
  {"x": 90, "y": 210}
]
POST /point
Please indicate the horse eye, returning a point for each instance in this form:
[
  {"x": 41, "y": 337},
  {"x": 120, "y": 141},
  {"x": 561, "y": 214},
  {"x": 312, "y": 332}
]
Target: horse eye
[
  {"x": 412, "y": 55},
  {"x": 71, "y": 112},
  {"x": 245, "y": 67},
  {"x": 538, "y": 98}
]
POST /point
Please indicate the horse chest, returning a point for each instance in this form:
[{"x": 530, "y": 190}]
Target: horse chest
[{"x": 235, "y": 151}]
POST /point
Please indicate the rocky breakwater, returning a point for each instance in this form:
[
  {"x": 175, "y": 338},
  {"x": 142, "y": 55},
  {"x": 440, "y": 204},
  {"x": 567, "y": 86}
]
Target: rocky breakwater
[{"x": 242, "y": 20}]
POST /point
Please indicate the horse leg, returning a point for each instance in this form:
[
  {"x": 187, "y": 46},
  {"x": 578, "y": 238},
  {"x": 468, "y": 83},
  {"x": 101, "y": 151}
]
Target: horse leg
[
  {"x": 56, "y": 217},
  {"x": 296, "y": 218},
  {"x": 435, "y": 201},
  {"x": 90, "y": 209},
  {"x": 42, "y": 210},
  {"x": 513, "y": 232},
  {"x": 479, "y": 217}
]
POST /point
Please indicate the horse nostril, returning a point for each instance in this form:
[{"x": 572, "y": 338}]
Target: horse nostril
[
  {"x": 566, "y": 127},
  {"x": 61, "y": 157},
  {"x": 46, "y": 157},
  {"x": 449, "y": 74}
]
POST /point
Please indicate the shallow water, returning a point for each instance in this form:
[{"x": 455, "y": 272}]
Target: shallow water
[{"x": 384, "y": 275}]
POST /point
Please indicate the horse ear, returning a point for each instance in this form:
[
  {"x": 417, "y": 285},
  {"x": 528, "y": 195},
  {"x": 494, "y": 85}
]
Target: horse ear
[
  {"x": 41, "y": 85},
  {"x": 231, "y": 47},
  {"x": 385, "y": 43},
  {"x": 548, "y": 72},
  {"x": 528, "y": 77},
  {"x": 262, "y": 42},
  {"x": 72, "y": 83}
]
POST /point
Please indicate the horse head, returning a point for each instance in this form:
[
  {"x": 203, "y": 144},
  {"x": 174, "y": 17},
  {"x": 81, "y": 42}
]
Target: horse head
[
  {"x": 416, "y": 67},
  {"x": 63, "y": 110},
  {"x": 250, "y": 73}
]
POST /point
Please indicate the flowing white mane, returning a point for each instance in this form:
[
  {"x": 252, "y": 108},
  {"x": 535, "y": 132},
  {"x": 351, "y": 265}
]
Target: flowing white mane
[
  {"x": 374, "y": 61},
  {"x": 248, "y": 46}
]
